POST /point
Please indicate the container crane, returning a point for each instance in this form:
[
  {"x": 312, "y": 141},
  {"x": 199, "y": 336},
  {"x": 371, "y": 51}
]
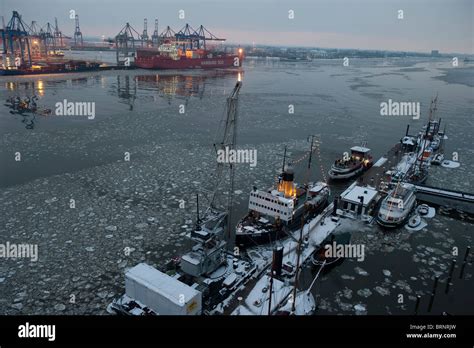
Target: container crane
[{"x": 16, "y": 43}]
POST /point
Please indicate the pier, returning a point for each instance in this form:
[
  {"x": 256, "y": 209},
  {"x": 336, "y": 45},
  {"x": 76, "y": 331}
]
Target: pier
[
  {"x": 375, "y": 175},
  {"x": 442, "y": 197}
]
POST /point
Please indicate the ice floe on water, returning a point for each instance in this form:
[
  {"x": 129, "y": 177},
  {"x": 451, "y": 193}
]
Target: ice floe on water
[
  {"x": 361, "y": 271},
  {"x": 347, "y": 293},
  {"x": 360, "y": 309},
  {"x": 364, "y": 292},
  {"x": 382, "y": 291},
  {"x": 386, "y": 272},
  {"x": 347, "y": 277},
  {"x": 415, "y": 223},
  {"x": 125, "y": 213},
  {"x": 450, "y": 164}
]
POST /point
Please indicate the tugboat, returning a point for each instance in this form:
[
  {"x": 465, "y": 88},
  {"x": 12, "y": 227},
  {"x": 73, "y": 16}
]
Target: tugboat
[
  {"x": 351, "y": 165},
  {"x": 437, "y": 159},
  {"x": 277, "y": 211},
  {"x": 396, "y": 207}
]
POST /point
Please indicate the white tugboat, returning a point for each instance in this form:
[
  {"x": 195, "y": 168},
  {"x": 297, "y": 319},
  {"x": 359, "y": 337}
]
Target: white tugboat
[
  {"x": 351, "y": 165},
  {"x": 277, "y": 211},
  {"x": 396, "y": 207}
]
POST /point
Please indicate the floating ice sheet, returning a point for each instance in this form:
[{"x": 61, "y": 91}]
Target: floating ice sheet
[{"x": 450, "y": 164}]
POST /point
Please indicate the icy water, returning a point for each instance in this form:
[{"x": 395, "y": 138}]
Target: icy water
[{"x": 129, "y": 211}]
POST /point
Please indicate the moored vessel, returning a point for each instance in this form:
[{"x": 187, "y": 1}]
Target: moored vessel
[
  {"x": 396, "y": 207},
  {"x": 187, "y": 50},
  {"x": 351, "y": 165},
  {"x": 275, "y": 212}
]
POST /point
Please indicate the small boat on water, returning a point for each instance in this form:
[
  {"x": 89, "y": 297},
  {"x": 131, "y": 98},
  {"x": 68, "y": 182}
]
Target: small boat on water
[
  {"x": 423, "y": 209},
  {"x": 414, "y": 221},
  {"x": 437, "y": 159},
  {"x": 396, "y": 207},
  {"x": 351, "y": 165}
]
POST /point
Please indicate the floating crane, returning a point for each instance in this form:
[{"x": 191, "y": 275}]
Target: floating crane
[{"x": 228, "y": 143}]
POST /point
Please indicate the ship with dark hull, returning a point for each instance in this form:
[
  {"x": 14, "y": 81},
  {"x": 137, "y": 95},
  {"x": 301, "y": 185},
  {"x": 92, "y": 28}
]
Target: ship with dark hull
[{"x": 276, "y": 212}]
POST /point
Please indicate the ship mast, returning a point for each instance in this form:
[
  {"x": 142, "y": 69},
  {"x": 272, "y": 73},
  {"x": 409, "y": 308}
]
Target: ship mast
[
  {"x": 298, "y": 250},
  {"x": 228, "y": 143},
  {"x": 433, "y": 108},
  {"x": 309, "y": 159},
  {"x": 284, "y": 160}
]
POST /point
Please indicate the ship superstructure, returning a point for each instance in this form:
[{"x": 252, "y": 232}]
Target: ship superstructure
[
  {"x": 351, "y": 165},
  {"x": 275, "y": 212}
]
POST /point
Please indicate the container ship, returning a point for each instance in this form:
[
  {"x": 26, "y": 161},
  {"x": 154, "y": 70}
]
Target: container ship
[{"x": 170, "y": 56}]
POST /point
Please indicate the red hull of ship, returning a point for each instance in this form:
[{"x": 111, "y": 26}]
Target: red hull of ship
[{"x": 160, "y": 62}]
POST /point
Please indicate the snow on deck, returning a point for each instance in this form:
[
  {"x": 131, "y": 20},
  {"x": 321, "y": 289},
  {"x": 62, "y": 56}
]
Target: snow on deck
[
  {"x": 257, "y": 301},
  {"x": 380, "y": 162}
]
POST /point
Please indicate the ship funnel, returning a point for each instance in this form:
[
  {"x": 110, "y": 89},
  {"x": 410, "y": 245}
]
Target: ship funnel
[
  {"x": 334, "y": 210},
  {"x": 286, "y": 185},
  {"x": 361, "y": 205},
  {"x": 277, "y": 261}
]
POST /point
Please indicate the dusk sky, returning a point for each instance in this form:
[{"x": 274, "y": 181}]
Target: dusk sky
[{"x": 446, "y": 25}]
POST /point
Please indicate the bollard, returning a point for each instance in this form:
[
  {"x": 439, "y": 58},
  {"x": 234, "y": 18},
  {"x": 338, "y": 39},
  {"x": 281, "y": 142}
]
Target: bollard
[
  {"x": 467, "y": 253},
  {"x": 435, "y": 284},
  {"x": 431, "y": 303},
  {"x": 461, "y": 274},
  {"x": 433, "y": 293},
  {"x": 448, "y": 283},
  {"x": 418, "y": 298}
]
